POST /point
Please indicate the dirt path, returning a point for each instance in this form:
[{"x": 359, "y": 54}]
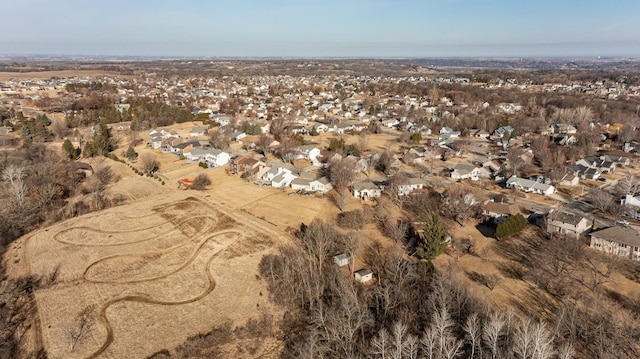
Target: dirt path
[{"x": 183, "y": 250}]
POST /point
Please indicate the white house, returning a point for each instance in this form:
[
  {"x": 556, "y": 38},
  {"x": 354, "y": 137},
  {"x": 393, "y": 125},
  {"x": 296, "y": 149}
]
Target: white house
[
  {"x": 156, "y": 141},
  {"x": 213, "y": 157},
  {"x": 468, "y": 171},
  {"x": 366, "y": 189},
  {"x": 321, "y": 184},
  {"x": 411, "y": 185},
  {"x": 223, "y": 121},
  {"x": 342, "y": 259},
  {"x": 630, "y": 200},
  {"x": 217, "y": 158},
  {"x": 301, "y": 184},
  {"x": 363, "y": 275},
  {"x": 278, "y": 177},
  {"x": 321, "y": 127},
  {"x": 309, "y": 152},
  {"x": 527, "y": 185}
]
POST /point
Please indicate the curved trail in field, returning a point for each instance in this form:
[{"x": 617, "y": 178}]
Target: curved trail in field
[
  {"x": 181, "y": 267},
  {"x": 133, "y": 230},
  {"x": 144, "y": 299}
]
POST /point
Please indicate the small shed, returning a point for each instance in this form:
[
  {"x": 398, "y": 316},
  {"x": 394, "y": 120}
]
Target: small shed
[
  {"x": 363, "y": 275},
  {"x": 342, "y": 259}
]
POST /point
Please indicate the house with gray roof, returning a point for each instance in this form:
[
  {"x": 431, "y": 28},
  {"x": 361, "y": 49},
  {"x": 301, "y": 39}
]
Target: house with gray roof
[
  {"x": 623, "y": 241},
  {"x": 366, "y": 189},
  {"x": 566, "y": 223},
  {"x": 526, "y": 185}
]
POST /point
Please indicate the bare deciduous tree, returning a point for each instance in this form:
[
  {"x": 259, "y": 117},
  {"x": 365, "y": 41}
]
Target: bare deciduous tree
[
  {"x": 473, "y": 332},
  {"x": 460, "y": 203},
  {"x": 492, "y": 331},
  {"x": 600, "y": 199},
  {"x": 341, "y": 171},
  {"x": 339, "y": 195},
  {"x": 149, "y": 163},
  {"x": 200, "y": 182}
]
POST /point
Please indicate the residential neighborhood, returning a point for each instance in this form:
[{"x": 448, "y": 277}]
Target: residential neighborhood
[{"x": 389, "y": 187}]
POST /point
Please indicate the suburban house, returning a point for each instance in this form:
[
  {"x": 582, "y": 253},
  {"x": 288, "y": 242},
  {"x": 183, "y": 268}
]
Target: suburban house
[
  {"x": 301, "y": 184},
  {"x": 598, "y": 163},
  {"x": 321, "y": 127},
  {"x": 361, "y": 165},
  {"x": 183, "y": 148},
  {"x": 321, "y": 184},
  {"x": 309, "y": 152},
  {"x": 622, "y": 241},
  {"x": 563, "y": 175},
  {"x": 212, "y": 157},
  {"x": 197, "y": 131},
  {"x": 499, "y": 212},
  {"x": 449, "y": 132},
  {"x": 411, "y": 185},
  {"x": 502, "y": 131},
  {"x": 169, "y": 143},
  {"x": 468, "y": 171},
  {"x": 630, "y": 200},
  {"x": 366, "y": 189},
  {"x": 527, "y": 185},
  {"x": 242, "y": 164},
  {"x": 567, "y": 223},
  {"x": 156, "y": 141},
  {"x": 632, "y": 205},
  {"x": 363, "y": 275},
  {"x": 342, "y": 259},
  {"x": 620, "y": 158},
  {"x": 585, "y": 172},
  {"x": 563, "y": 128},
  {"x": 222, "y": 121},
  {"x": 278, "y": 177}
]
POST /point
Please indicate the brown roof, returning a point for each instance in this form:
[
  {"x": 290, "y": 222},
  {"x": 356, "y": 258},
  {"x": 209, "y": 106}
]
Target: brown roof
[
  {"x": 510, "y": 209},
  {"x": 619, "y": 234},
  {"x": 565, "y": 217}
]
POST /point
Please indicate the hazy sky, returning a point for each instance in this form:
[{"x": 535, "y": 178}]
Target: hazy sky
[{"x": 328, "y": 28}]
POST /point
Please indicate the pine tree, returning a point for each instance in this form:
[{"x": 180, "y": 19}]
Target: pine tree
[
  {"x": 434, "y": 240},
  {"x": 68, "y": 149}
]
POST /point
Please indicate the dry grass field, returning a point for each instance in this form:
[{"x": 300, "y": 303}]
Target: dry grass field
[{"x": 132, "y": 280}]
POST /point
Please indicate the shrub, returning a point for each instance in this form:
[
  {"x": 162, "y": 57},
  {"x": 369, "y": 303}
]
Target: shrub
[
  {"x": 200, "y": 182},
  {"x": 351, "y": 219},
  {"x": 512, "y": 225}
]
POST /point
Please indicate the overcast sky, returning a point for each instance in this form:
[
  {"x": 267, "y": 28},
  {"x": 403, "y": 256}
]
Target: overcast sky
[{"x": 327, "y": 28}]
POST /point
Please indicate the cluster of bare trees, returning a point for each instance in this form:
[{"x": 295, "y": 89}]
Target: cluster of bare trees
[
  {"x": 36, "y": 184},
  {"x": 410, "y": 312}
]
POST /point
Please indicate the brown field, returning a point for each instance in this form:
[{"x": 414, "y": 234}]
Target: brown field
[{"x": 148, "y": 275}]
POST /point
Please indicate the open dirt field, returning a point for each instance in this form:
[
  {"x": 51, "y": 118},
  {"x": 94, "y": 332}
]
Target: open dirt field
[{"x": 132, "y": 280}]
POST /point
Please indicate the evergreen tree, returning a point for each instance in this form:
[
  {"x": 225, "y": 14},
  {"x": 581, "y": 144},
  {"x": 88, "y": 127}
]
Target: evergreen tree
[
  {"x": 434, "y": 240},
  {"x": 68, "y": 149},
  {"x": 512, "y": 225}
]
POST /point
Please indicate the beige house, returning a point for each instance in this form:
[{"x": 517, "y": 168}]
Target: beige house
[
  {"x": 363, "y": 275},
  {"x": 567, "y": 224},
  {"x": 622, "y": 241},
  {"x": 499, "y": 212}
]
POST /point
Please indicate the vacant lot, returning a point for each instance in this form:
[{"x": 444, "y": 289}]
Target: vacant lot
[{"x": 135, "y": 279}]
